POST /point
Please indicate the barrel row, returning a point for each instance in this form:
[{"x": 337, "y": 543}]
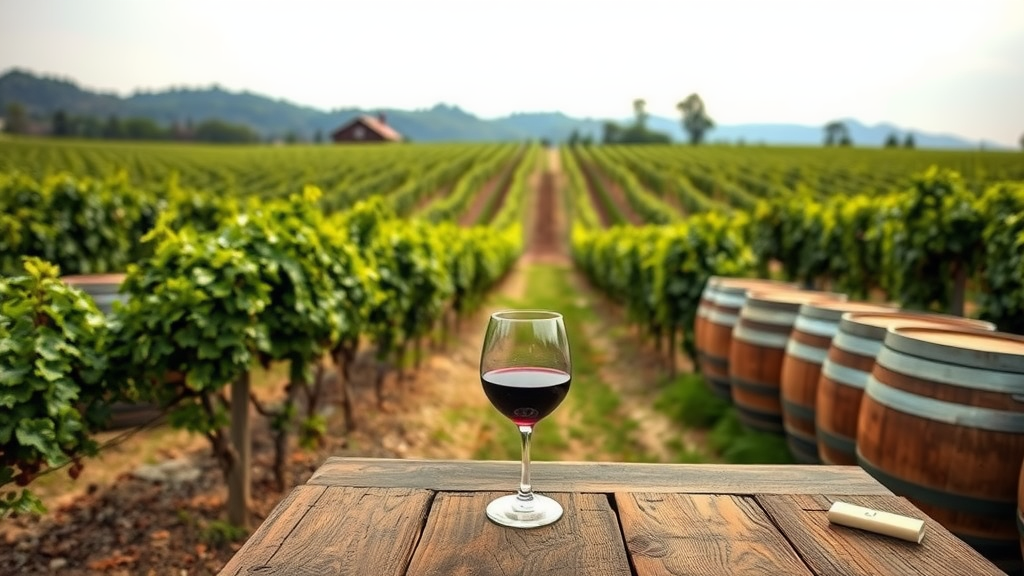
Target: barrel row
[{"x": 930, "y": 405}]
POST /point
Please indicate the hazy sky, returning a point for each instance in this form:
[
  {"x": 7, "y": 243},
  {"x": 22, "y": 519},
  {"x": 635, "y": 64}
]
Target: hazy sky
[{"x": 941, "y": 66}]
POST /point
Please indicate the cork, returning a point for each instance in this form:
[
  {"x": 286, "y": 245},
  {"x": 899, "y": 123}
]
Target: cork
[{"x": 877, "y": 521}]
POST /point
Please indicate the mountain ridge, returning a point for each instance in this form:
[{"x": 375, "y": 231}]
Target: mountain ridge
[{"x": 277, "y": 118}]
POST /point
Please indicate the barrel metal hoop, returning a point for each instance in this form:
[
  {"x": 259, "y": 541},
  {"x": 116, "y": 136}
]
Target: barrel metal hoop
[
  {"x": 953, "y": 374},
  {"x": 798, "y": 410},
  {"x": 758, "y": 420},
  {"x": 816, "y": 326},
  {"x": 805, "y": 352},
  {"x": 716, "y": 360},
  {"x": 844, "y": 374},
  {"x": 759, "y": 338},
  {"x": 942, "y": 499},
  {"x": 768, "y": 316},
  {"x": 856, "y": 344},
  {"x": 945, "y": 412},
  {"x": 805, "y": 450},
  {"x": 838, "y": 442},
  {"x": 754, "y": 387},
  {"x": 722, "y": 318}
]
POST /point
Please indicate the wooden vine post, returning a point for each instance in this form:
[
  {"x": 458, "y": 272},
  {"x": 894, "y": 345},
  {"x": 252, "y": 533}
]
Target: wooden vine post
[{"x": 241, "y": 441}]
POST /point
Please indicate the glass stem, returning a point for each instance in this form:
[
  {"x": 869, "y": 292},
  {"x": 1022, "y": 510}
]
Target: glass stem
[{"x": 525, "y": 497}]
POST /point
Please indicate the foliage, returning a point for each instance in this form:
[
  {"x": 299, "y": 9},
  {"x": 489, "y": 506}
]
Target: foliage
[
  {"x": 82, "y": 225},
  {"x": 739, "y": 445},
  {"x": 696, "y": 121},
  {"x": 931, "y": 231},
  {"x": 660, "y": 271},
  {"x": 688, "y": 401},
  {"x": 1002, "y": 297},
  {"x": 191, "y": 326},
  {"x": 53, "y": 385}
]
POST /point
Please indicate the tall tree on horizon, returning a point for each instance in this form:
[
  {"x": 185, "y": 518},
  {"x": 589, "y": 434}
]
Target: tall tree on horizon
[
  {"x": 836, "y": 134},
  {"x": 696, "y": 121},
  {"x": 640, "y": 111},
  {"x": 15, "y": 119}
]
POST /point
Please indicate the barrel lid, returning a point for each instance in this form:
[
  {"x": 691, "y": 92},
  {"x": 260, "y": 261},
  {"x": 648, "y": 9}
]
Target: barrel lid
[
  {"x": 96, "y": 284},
  {"x": 834, "y": 309},
  {"x": 789, "y": 299},
  {"x": 88, "y": 279},
  {"x": 873, "y": 325},
  {"x": 978, "y": 348},
  {"x": 750, "y": 282}
]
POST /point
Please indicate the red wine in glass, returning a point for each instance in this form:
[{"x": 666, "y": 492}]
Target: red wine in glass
[
  {"x": 525, "y": 395},
  {"x": 525, "y": 372}
]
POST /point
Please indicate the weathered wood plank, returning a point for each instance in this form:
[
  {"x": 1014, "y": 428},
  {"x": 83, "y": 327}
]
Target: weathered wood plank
[
  {"x": 267, "y": 539},
  {"x": 698, "y": 535},
  {"x": 837, "y": 550},
  {"x": 457, "y": 476},
  {"x": 459, "y": 539},
  {"x": 349, "y": 531}
]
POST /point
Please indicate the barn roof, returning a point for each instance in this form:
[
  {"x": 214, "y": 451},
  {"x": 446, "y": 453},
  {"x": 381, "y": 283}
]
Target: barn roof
[{"x": 382, "y": 128}]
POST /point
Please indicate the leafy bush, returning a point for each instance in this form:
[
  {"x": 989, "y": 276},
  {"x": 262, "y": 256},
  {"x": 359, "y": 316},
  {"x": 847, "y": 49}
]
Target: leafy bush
[
  {"x": 53, "y": 390},
  {"x": 688, "y": 401}
]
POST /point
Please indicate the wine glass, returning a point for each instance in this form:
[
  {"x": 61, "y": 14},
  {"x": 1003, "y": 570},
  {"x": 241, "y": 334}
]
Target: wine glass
[{"x": 525, "y": 371}]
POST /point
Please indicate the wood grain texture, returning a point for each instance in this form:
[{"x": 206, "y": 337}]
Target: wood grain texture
[
  {"x": 832, "y": 550},
  {"x": 606, "y": 477},
  {"x": 700, "y": 535},
  {"x": 459, "y": 539},
  {"x": 267, "y": 539},
  {"x": 347, "y": 531}
]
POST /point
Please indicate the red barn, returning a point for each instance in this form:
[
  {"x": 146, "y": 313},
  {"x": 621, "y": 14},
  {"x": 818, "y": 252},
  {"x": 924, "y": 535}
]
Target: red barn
[{"x": 367, "y": 129}]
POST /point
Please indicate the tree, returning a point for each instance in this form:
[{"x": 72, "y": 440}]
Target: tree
[
  {"x": 836, "y": 134},
  {"x": 318, "y": 136},
  {"x": 1022, "y": 140},
  {"x": 639, "y": 110},
  {"x": 610, "y": 133},
  {"x": 16, "y": 119},
  {"x": 696, "y": 121},
  {"x": 892, "y": 141},
  {"x": 574, "y": 137},
  {"x": 908, "y": 142},
  {"x": 61, "y": 124},
  {"x": 112, "y": 129}
]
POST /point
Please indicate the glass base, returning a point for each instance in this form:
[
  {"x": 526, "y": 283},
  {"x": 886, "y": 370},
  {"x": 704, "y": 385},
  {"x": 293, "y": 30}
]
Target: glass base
[{"x": 509, "y": 511}]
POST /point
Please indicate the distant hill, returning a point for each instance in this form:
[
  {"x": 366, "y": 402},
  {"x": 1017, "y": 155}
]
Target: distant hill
[{"x": 275, "y": 118}]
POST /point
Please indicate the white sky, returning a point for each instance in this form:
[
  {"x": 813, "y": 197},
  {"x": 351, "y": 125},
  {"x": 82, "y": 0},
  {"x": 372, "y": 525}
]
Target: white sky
[{"x": 942, "y": 66}]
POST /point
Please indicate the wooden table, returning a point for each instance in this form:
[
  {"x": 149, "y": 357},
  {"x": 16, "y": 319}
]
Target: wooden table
[{"x": 379, "y": 517}]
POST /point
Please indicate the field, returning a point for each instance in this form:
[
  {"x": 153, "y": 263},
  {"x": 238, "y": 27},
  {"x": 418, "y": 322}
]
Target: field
[{"x": 383, "y": 264}]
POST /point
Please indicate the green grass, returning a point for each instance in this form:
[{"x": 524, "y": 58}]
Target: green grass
[
  {"x": 739, "y": 445},
  {"x": 688, "y": 401}
]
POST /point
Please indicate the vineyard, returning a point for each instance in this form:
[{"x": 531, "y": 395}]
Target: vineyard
[{"x": 230, "y": 260}]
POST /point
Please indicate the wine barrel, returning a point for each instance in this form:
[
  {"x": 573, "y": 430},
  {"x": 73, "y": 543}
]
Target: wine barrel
[
  {"x": 758, "y": 346},
  {"x": 816, "y": 323},
  {"x": 103, "y": 288},
  {"x": 727, "y": 299},
  {"x": 707, "y": 298},
  {"x": 942, "y": 424},
  {"x": 1020, "y": 508},
  {"x": 846, "y": 368}
]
